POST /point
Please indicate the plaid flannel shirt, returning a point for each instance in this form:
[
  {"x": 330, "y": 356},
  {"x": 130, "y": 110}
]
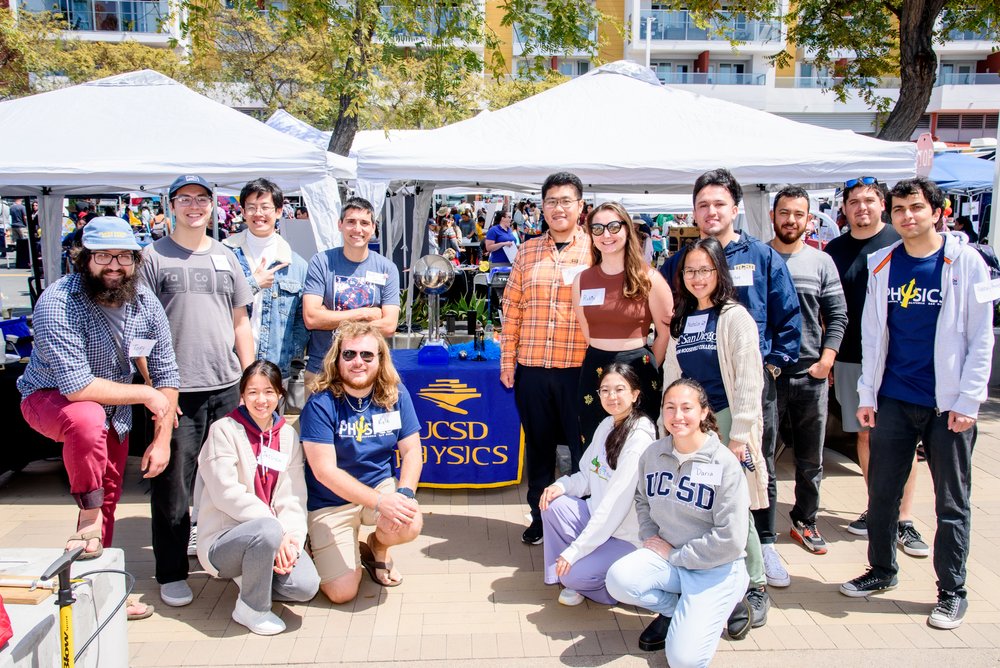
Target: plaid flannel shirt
[
  {"x": 73, "y": 345},
  {"x": 539, "y": 326}
]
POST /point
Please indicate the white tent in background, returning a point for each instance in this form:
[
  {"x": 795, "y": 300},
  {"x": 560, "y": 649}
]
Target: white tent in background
[{"x": 137, "y": 132}]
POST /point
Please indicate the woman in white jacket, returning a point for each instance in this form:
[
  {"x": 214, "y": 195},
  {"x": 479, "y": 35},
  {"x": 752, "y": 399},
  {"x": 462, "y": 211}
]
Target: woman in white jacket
[
  {"x": 252, "y": 518},
  {"x": 583, "y": 538}
]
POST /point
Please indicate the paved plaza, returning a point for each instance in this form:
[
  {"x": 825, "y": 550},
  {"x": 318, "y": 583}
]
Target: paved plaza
[{"x": 473, "y": 592}]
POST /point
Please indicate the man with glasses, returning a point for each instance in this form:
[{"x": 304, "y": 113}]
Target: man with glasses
[
  {"x": 90, "y": 328},
  {"x": 275, "y": 274},
  {"x": 352, "y": 425},
  {"x": 205, "y": 295},
  {"x": 864, "y": 204},
  {"x": 542, "y": 345},
  {"x": 350, "y": 283},
  {"x": 803, "y": 388},
  {"x": 927, "y": 345}
]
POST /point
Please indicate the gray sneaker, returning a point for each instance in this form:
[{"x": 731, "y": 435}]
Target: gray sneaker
[
  {"x": 949, "y": 613},
  {"x": 176, "y": 594},
  {"x": 911, "y": 541},
  {"x": 760, "y": 603}
]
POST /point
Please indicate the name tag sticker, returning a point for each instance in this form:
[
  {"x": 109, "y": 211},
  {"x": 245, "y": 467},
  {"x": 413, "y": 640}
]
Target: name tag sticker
[
  {"x": 221, "y": 263},
  {"x": 707, "y": 474},
  {"x": 383, "y": 423},
  {"x": 376, "y": 277},
  {"x": 742, "y": 277},
  {"x": 569, "y": 273},
  {"x": 592, "y": 297},
  {"x": 274, "y": 460},
  {"x": 696, "y": 324},
  {"x": 140, "y": 347},
  {"x": 987, "y": 291}
]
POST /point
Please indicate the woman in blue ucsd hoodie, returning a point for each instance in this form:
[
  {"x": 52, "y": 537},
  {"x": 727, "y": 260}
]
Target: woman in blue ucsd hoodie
[{"x": 692, "y": 503}]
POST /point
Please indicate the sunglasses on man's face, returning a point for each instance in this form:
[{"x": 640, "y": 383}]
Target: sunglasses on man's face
[
  {"x": 348, "y": 355},
  {"x": 862, "y": 180}
]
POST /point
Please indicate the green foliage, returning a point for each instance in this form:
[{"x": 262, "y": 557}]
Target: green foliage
[
  {"x": 418, "y": 308},
  {"x": 461, "y": 306}
]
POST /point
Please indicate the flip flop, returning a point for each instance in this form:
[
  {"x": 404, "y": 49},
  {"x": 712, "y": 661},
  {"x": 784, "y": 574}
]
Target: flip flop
[
  {"x": 132, "y": 617},
  {"x": 86, "y": 537},
  {"x": 372, "y": 566}
]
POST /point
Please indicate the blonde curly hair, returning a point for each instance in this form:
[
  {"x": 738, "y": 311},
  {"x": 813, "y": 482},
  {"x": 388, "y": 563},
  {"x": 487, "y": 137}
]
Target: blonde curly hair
[{"x": 387, "y": 381}]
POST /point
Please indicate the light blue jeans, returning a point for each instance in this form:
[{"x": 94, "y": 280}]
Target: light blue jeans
[{"x": 699, "y": 601}]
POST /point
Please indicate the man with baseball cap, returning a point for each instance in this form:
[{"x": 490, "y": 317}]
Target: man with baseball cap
[
  {"x": 205, "y": 295},
  {"x": 90, "y": 328}
]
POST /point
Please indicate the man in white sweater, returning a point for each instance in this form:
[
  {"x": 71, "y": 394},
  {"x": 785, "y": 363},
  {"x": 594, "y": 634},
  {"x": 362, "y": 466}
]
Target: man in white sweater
[{"x": 927, "y": 344}]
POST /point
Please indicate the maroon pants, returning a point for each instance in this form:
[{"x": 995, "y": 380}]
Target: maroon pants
[{"x": 93, "y": 454}]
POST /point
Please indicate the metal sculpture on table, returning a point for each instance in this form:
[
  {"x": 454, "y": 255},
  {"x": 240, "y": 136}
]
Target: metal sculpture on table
[{"x": 433, "y": 275}]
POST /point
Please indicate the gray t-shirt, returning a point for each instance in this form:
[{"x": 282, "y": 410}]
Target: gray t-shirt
[
  {"x": 199, "y": 291},
  {"x": 115, "y": 317},
  {"x": 346, "y": 285}
]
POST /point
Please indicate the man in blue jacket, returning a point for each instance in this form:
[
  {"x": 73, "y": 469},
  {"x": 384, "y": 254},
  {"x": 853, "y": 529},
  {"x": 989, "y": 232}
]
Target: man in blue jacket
[{"x": 764, "y": 286}]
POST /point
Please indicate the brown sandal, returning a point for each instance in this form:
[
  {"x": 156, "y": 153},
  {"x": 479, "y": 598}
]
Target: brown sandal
[
  {"x": 132, "y": 617},
  {"x": 86, "y": 537},
  {"x": 372, "y": 566}
]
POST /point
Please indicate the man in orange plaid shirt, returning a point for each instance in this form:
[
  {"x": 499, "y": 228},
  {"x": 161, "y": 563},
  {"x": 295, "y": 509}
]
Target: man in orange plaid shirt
[{"x": 542, "y": 345}]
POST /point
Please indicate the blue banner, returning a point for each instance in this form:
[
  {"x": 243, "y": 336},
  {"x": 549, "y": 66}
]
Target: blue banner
[{"x": 469, "y": 427}]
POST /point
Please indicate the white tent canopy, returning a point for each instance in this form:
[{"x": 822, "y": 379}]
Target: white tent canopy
[{"x": 137, "y": 132}]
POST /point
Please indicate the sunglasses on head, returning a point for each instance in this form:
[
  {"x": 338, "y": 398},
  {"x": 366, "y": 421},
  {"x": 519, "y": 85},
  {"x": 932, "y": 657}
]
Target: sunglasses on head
[
  {"x": 348, "y": 355},
  {"x": 863, "y": 180}
]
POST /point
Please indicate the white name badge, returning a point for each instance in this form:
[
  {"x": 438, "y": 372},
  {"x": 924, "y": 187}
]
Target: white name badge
[
  {"x": 383, "y": 423},
  {"x": 140, "y": 347},
  {"x": 592, "y": 297},
  {"x": 275, "y": 460},
  {"x": 221, "y": 263},
  {"x": 987, "y": 291},
  {"x": 696, "y": 324},
  {"x": 376, "y": 277},
  {"x": 569, "y": 273},
  {"x": 707, "y": 474},
  {"x": 742, "y": 277}
]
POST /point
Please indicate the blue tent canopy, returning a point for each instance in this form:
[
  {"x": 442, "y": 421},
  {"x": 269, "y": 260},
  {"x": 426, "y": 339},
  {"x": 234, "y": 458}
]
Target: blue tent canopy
[{"x": 955, "y": 171}]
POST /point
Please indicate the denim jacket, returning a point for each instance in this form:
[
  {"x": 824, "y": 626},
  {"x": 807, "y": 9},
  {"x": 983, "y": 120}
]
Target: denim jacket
[{"x": 283, "y": 332}]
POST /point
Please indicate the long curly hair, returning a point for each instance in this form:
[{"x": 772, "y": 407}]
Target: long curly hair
[
  {"x": 387, "y": 381},
  {"x": 637, "y": 283}
]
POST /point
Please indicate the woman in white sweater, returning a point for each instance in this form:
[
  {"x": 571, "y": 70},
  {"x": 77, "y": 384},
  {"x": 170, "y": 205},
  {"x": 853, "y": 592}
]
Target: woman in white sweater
[
  {"x": 583, "y": 538},
  {"x": 252, "y": 517}
]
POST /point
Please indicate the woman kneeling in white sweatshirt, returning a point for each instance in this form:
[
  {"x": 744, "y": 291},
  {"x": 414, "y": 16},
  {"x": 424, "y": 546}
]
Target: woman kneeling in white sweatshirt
[{"x": 692, "y": 503}]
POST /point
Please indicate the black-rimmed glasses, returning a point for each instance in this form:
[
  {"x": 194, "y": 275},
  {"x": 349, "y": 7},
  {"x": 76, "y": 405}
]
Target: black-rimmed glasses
[{"x": 615, "y": 226}]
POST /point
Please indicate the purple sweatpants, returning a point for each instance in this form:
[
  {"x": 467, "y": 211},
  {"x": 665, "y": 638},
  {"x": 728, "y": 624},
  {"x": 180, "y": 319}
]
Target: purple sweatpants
[{"x": 563, "y": 521}]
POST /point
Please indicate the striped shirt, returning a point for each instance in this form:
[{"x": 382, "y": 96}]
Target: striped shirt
[{"x": 540, "y": 327}]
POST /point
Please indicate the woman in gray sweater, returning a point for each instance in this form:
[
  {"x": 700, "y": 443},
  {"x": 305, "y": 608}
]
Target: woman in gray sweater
[{"x": 692, "y": 503}]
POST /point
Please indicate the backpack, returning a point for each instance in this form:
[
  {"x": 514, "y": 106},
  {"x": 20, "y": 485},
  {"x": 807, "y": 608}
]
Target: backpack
[{"x": 993, "y": 265}]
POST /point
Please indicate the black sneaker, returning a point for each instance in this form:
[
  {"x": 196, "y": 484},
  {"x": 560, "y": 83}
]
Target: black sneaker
[
  {"x": 654, "y": 636},
  {"x": 949, "y": 613},
  {"x": 807, "y": 535},
  {"x": 533, "y": 534},
  {"x": 859, "y": 527},
  {"x": 867, "y": 584},
  {"x": 738, "y": 625},
  {"x": 911, "y": 541},
  {"x": 760, "y": 603}
]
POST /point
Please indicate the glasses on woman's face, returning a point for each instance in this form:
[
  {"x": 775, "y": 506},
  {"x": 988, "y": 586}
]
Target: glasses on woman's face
[
  {"x": 124, "y": 259},
  {"x": 366, "y": 355},
  {"x": 614, "y": 227},
  {"x": 609, "y": 391},
  {"x": 700, "y": 272}
]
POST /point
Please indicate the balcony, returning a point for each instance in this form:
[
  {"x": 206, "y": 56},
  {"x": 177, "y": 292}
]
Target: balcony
[
  {"x": 711, "y": 78},
  {"x": 680, "y": 26},
  {"x": 426, "y": 24},
  {"x": 587, "y": 33},
  {"x": 959, "y": 79},
  {"x": 137, "y": 16},
  {"x": 830, "y": 82}
]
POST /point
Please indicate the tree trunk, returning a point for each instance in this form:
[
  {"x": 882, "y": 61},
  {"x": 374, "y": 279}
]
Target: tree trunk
[
  {"x": 355, "y": 69},
  {"x": 917, "y": 67}
]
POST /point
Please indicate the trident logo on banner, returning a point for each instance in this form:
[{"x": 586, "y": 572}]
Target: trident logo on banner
[{"x": 448, "y": 393}]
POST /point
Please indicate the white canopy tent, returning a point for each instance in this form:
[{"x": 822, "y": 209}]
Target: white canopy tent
[{"x": 137, "y": 132}]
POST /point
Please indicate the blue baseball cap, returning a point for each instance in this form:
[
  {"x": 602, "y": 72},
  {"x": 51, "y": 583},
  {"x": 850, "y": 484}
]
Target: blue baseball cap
[
  {"x": 109, "y": 233},
  {"x": 188, "y": 180}
]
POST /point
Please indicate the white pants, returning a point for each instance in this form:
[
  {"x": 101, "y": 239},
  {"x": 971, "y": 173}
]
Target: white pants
[{"x": 698, "y": 601}]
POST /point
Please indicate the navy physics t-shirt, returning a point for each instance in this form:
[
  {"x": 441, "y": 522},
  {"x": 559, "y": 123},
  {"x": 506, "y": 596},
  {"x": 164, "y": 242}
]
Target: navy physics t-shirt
[
  {"x": 363, "y": 440},
  {"x": 698, "y": 355},
  {"x": 914, "y": 305}
]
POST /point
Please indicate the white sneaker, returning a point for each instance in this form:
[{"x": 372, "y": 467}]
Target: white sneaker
[
  {"x": 193, "y": 541},
  {"x": 176, "y": 594},
  {"x": 570, "y": 597},
  {"x": 775, "y": 571},
  {"x": 261, "y": 623}
]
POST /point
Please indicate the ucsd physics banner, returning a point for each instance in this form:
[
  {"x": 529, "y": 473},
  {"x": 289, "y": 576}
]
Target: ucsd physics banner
[{"x": 469, "y": 427}]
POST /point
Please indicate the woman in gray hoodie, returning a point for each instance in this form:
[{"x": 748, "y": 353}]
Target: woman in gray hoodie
[{"x": 692, "y": 503}]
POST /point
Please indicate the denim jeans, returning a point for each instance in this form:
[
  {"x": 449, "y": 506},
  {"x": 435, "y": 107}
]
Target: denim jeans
[
  {"x": 899, "y": 426},
  {"x": 802, "y": 410},
  {"x": 170, "y": 498},
  {"x": 765, "y": 518}
]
